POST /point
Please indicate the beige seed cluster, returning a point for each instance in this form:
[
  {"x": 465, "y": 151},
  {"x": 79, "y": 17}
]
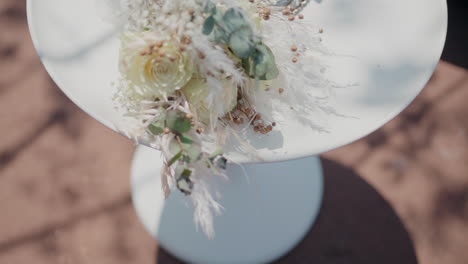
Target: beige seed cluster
[
  {"x": 244, "y": 112},
  {"x": 291, "y": 12}
]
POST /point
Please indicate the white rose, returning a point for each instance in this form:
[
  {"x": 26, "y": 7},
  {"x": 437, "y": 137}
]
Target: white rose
[{"x": 155, "y": 68}]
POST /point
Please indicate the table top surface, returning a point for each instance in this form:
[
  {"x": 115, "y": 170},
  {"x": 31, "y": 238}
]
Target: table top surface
[{"x": 383, "y": 53}]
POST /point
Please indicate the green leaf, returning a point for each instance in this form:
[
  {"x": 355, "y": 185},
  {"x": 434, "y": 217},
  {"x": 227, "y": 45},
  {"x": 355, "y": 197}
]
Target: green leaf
[
  {"x": 177, "y": 122},
  {"x": 186, "y": 139},
  {"x": 182, "y": 125},
  {"x": 208, "y": 26},
  {"x": 186, "y": 173},
  {"x": 174, "y": 146},
  {"x": 186, "y": 159},
  {"x": 210, "y": 7},
  {"x": 175, "y": 158},
  {"x": 193, "y": 152},
  {"x": 267, "y": 60},
  {"x": 219, "y": 36},
  {"x": 156, "y": 128},
  {"x": 241, "y": 42},
  {"x": 234, "y": 19},
  {"x": 261, "y": 64}
]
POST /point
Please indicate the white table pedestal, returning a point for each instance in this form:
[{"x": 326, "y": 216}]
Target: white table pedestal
[{"x": 267, "y": 213}]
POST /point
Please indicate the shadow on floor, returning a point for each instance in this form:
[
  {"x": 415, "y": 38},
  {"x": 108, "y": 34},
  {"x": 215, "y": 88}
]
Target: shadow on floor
[{"x": 355, "y": 225}]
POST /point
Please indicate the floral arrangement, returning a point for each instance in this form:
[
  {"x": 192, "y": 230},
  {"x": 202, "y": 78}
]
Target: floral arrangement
[{"x": 195, "y": 73}]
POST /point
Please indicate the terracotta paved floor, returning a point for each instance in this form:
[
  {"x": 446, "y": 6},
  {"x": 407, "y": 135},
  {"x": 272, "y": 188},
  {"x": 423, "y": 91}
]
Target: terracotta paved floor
[{"x": 397, "y": 195}]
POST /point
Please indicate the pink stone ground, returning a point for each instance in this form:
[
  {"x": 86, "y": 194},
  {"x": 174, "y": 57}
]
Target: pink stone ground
[{"x": 65, "y": 194}]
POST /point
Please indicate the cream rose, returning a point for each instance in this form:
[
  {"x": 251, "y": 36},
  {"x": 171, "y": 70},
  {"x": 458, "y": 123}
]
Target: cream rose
[
  {"x": 197, "y": 92},
  {"x": 155, "y": 68}
]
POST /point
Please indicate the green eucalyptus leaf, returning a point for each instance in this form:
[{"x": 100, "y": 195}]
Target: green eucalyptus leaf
[
  {"x": 218, "y": 18},
  {"x": 156, "y": 128},
  {"x": 210, "y": 7},
  {"x": 268, "y": 59},
  {"x": 241, "y": 42},
  {"x": 186, "y": 139},
  {"x": 193, "y": 152},
  {"x": 177, "y": 122},
  {"x": 271, "y": 74},
  {"x": 219, "y": 35},
  {"x": 186, "y": 173},
  {"x": 186, "y": 158},
  {"x": 208, "y": 26},
  {"x": 181, "y": 125},
  {"x": 249, "y": 66},
  {"x": 174, "y": 146},
  {"x": 261, "y": 64},
  {"x": 234, "y": 19}
]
